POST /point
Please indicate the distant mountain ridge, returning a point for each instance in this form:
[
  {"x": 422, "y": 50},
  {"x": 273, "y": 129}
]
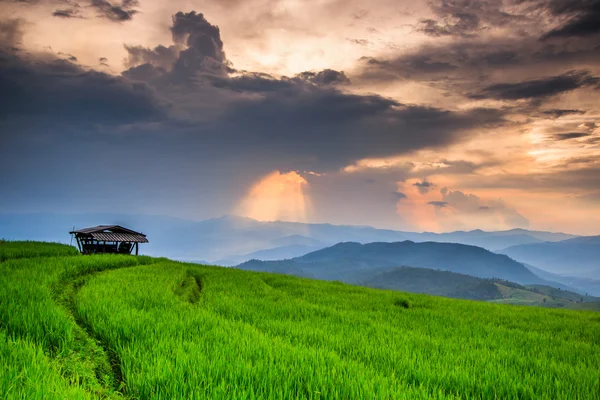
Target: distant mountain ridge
[
  {"x": 578, "y": 257},
  {"x": 352, "y": 262},
  {"x": 232, "y": 239},
  {"x": 460, "y": 286},
  {"x": 434, "y": 282},
  {"x": 442, "y": 269}
]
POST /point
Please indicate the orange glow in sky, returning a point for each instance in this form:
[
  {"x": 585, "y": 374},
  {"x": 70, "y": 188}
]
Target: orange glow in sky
[{"x": 277, "y": 196}]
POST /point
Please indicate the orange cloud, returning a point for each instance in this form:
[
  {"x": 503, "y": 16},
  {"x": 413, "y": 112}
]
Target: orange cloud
[
  {"x": 427, "y": 207},
  {"x": 277, "y": 196}
]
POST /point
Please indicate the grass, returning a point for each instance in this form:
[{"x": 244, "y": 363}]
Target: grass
[
  {"x": 25, "y": 249},
  {"x": 135, "y": 327}
]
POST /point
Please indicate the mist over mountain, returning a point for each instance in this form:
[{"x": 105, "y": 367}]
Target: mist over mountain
[
  {"x": 230, "y": 240},
  {"x": 579, "y": 285},
  {"x": 434, "y": 282},
  {"x": 461, "y": 286},
  {"x": 352, "y": 262},
  {"x": 578, "y": 257}
]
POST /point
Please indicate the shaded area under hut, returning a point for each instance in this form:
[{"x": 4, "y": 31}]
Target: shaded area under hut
[{"x": 108, "y": 239}]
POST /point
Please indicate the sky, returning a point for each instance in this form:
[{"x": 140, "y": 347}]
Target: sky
[{"x": 435, "y": 115}]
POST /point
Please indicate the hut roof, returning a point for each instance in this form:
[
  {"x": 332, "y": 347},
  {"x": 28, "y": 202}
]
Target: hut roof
[{"x": 111, "y": 233}]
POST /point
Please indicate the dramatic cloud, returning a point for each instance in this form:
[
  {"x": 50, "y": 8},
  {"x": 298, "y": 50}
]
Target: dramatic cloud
[
  {"x": 197, "y": 47},
  {"x": 309, "y": 115},
  {"x": 495, "y": 208},
  {"x": 384, "y": 103},
  {"x": 325, "y": 77},
  {"x": 570, "y": 135},
  {"x": 557, "y": 113},
  {"x": 161, "y": 56},
  {"x": 53, "y": 91},
  {"x": 337, "y": 128},
  {"x": 447, "y": 209},
  {"x": 11, "y": 33},
  {"x": 581, "y": 18},
  {"x": 115, "y": 12},
  {"x": 438, "y": 203},
  {"x": 466, "y": 18},
  {"x": 538, "y": 88},
  {"x": 461, "y": 67},
  {"x": 424, "y": 186},
  {"x": 74, "y": 12}
]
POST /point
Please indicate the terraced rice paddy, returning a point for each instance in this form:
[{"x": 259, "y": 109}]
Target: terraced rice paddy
[{"x": 136, "y": 327}]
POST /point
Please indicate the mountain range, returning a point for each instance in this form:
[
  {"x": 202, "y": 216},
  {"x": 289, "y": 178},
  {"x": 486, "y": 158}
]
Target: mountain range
[
  {"x": 443, "y": 269},
  {"x": 351, "y": 262},
  {"x": 578, "y": 257},
  {"x": 230, "y": 240},
  {"x": 450, "y": 284},
  {"x": 544, "y": 258}
]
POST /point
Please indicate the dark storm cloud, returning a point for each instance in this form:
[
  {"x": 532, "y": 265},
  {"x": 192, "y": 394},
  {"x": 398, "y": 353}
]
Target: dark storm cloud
[
  {"x": 161, "y": 56},
  {"x": 467, "y": 18},
  {"x": 325, "y": 77},
  {"x": 558, "y": 113},
  {"x": 582, "y": 18},
  {"x": 537, "y": 88},
  {"x": 252, "y": 82},
  {"x": 334, "y": 128},
  {"x": 460, "y": 65},
  {"x": 399, "y": 196},
  {"x": 201, "y": 38},
  {"x": 438, "y": 203},
  {"x": 307, "y": 115},
  {"x": 261, "y": 82},
  {"x": 53, "y": 91},
  {"x": 299, "y": 122},
  {"x": 420, "y": 63},
  {"x": 443, "y": 64},
  {"x": 407, "y": 66},
  {"x": 144, "y": 72},
  {"x": 464, "y": 18},
  {"x": 464, "y": 25},
  {"x": 424, "y": 187},
  {"x": 195, "y": 31},
  {"x": 570, "y": 135},
  {"x": 115, "y": 12},
  {"x": 67, "y": 13},
  {"x": 11, "y": 33},
  {"x": 197, "y": 48}
]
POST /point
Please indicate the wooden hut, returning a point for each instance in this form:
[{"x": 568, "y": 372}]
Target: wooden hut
[{"x": 108, "y": 239}]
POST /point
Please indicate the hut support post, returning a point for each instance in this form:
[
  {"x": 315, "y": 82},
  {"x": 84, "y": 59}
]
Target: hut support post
[{"x": 137, "y": 245}]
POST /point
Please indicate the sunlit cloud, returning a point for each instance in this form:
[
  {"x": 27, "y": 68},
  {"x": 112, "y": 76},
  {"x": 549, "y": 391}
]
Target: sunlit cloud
[
  {"x": 277, "y": 196},
  {"x": 442, "y": 209},
  {"x": 517, "y": 116}
]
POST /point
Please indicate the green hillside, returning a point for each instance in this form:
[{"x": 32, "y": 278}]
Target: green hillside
[
  {"x": 461, "y": 286},
  {"x": 546, "y": 296},
  {"x": 79, "y": 327},
  {"x": 25, "y": 249},
  {"x": 355, "y": 262}
]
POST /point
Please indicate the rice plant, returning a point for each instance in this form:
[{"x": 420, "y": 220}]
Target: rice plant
[{"x": 136, "y": 327}]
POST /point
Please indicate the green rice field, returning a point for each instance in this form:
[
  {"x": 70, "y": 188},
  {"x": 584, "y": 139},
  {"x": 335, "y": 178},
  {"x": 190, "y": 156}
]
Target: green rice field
[{"x": 115, "y": 326}]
